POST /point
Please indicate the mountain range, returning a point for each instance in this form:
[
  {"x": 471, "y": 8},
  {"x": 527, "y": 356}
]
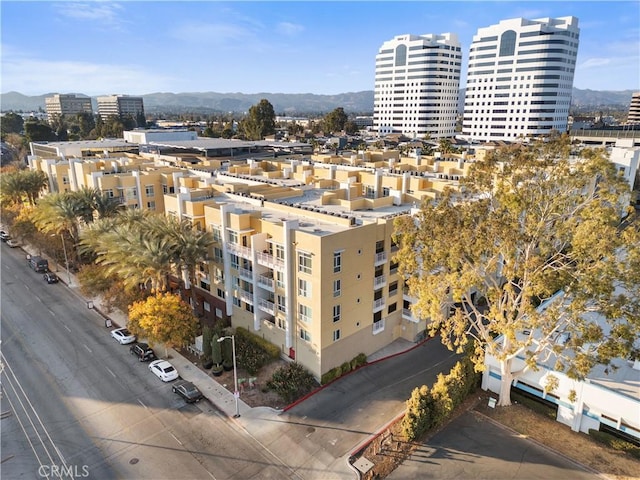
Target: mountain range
[{"x": 289, "y": 103}]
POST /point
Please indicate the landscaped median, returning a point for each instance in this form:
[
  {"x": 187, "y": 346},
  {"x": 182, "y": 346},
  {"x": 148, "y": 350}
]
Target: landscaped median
[{"x": 427, "y": 410}]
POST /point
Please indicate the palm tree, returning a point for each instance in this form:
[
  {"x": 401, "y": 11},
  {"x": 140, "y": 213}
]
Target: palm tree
[{"x": 17, "y": 185}]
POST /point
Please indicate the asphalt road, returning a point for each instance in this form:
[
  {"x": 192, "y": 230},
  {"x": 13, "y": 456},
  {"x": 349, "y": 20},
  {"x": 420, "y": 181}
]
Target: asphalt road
[
  {"x": 76, "y": 403},
  {"x": 473, "y": 447},
  {"x": 318, "y": 435}
]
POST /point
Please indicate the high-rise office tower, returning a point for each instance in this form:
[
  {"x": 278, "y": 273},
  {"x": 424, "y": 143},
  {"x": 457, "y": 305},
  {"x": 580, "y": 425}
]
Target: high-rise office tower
[
  {"x": 61, "y": 104},
  {"x": 416, "y": 85},
  {"x": 634, "y": 109},
  {"x": 520, "y": 78},
  {"x": 120, "y": 105}
]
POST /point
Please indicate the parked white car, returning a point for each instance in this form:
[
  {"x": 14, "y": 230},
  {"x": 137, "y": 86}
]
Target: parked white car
[
  {"x": 123, "y": 336},
  {"x": 163, "y": 370}
]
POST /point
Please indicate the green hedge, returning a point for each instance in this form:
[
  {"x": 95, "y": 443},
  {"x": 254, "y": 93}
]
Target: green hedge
[
  {"x": 429, "y": 408},
  {"x": 346, "y": 367},
  {"x": 252, "y": 351},
  {"x": 615, "y": 442}
]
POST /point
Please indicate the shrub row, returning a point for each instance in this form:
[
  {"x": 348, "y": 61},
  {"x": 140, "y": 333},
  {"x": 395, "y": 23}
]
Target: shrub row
[
  {"x": 346, "y": 367},
  {"x": 616, "y": 443},
  {"x": 429, "y": 408},
  {"x": 253, "y": 351}
]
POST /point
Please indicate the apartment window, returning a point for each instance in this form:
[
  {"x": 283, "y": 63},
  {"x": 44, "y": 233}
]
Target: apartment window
[
  {"x": 148, "y": 190},
  {"x": 248, "y": 307},
  {"x": 217, "y": 255},
  {"x": 305, "y": 313},
  {"x": 304, "y": 288},
  {"x": 281, "y": 303},
  {"x": 235, "y": 260},
  {"x": 151, "y": 205},
  {"x": 393, "y": 288},
  {"x": 304, "y": 263},
  {"x": 305, "y": 335},
  {"x": 132, "y": 192},
  {"x": 392, "y": 308},
  {"x": 221, "y": 293},
  {"x": 237, "y": 302},
  {"x": 109, "y": 193},
  {"x": 279, "y": 279},
  {"x": 336, "y": 335},
  {"x": 233, "y": 237},
  {"x": 217, "y": 234},
  {"x": 65, "y": 180},
  {"x": 337, "y": 288},
  {"x": 337, "y": 310},
  {"x": 337, "y": 262},
  {"x": 279, "y": 252}
]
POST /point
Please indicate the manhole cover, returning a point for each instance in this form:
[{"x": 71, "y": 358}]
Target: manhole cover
[{"x": 133, "y": 461}]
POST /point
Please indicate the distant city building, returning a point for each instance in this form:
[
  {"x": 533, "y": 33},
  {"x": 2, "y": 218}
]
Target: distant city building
[
  {"x": 120, "y": 106},
  {"x": 61, "y": 104},
  {"x": 417, "y": 83},
  {"x": 634, "y": 109},
  {"x": 520, "y": 78}
]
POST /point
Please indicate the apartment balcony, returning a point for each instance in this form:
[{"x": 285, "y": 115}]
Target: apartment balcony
[
  {"x": 266, "y": 283},
  {"x": 378, "y": 305},
  {"x": 379, "y": 282},
  {"x": 378, "y": 326},
  {"x": 269, "y": 321},
  {"x": 406, "y": 296},
  {"x": 268, "y": 260},
  {"x": 266, "y": 306},
  {"x": 407, "y": 314},
  {"x": 218, "y": 278},
  {"x": 245, "y": 296},
  {"x": 380, "y": 259},
  {"x": 244, "y": 252},
  {"x": 245, "y": 273}
]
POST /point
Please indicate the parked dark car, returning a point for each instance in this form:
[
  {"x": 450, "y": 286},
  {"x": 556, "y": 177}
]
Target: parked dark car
[
  {"x": 143, "y": 351},
  {"x": 39, "y": 264},
  {"x": 50, "y": 277},
  {"x": 188, "y": 391}
]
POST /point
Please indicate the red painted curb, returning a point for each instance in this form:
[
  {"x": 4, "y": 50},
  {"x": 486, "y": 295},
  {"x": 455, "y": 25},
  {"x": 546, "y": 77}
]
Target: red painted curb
[{"x": 302, "y": 399}]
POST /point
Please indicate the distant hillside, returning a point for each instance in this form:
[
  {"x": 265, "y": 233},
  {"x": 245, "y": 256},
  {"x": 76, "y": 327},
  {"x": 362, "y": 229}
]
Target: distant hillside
[
  {"x": 283, "y": 103},
  {"x": 288, "y": 103}
]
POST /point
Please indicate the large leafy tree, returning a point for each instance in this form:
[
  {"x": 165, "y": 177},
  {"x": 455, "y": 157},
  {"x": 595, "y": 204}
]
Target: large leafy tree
[
  {"x": 260, "y": 121},
  {"x": 530, "y": 225},
  {"x": 163, "y": 318},
  {"x": 11, "y": 123},
  {"x": 335, "y": 120}
]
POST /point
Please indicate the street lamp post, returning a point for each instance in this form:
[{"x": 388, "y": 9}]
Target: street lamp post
[
  {"x": 236, "y": 393},
  {"x": 66, "y": 259}
]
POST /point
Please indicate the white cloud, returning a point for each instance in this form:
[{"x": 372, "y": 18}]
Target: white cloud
[
  {"x": 288, "y": 28},
  {"x": 210, "y": 33},
  {"x": 595, "y": 62},
  {"x": 106, "y": 12},
  {"x": 36, "y": 77}
]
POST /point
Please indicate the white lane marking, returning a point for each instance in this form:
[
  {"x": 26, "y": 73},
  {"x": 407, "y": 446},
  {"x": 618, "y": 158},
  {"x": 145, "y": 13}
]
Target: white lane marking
[
  {"x": 88, "y": 349},
  {"x": 68, "y": 329},
  {"x": 140, "y": 402},
  {"x": 108, "y": 370},
  {"x": 176, "y": 439}
]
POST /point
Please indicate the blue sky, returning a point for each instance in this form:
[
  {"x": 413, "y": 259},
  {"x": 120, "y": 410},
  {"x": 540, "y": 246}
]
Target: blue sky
[{"x": 140, "y": 47}]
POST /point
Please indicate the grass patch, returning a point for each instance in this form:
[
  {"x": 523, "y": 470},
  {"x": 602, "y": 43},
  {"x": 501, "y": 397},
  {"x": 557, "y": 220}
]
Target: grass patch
[{"x": 616, "y": 443}]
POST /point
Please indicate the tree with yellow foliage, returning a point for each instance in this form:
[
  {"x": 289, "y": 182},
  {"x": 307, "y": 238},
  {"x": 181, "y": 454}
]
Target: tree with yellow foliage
[{"x": 163, "y": 318}]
